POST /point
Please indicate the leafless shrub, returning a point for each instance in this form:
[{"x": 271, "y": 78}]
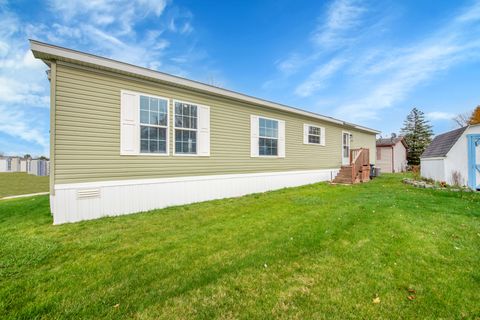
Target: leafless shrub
[
  {"x": 416, "y": 172},
  {"x": 457, "y": 179},
  {"x": 462, "y": 119}
]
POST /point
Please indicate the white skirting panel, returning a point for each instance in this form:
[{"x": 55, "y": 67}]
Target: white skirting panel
[{"x": 85, "y": 201}]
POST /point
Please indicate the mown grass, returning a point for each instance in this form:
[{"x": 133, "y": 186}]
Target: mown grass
[
  {"x": 17, "y": 183},
  {"x": 318, "y": 251}
]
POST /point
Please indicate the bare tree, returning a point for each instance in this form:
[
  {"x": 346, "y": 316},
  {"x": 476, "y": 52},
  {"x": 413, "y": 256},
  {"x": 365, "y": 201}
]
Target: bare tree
[
  {"x": 213, "y": 81},
  {"x": 462, "y": 119}
]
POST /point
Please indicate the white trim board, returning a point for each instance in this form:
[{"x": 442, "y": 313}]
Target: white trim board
[
  {"x": 47, "y": 51},
  {"x": 85, "y": 201},
  {"x": 433, "y": 158}
]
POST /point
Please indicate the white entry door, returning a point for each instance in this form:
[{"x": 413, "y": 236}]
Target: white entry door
[{"x": 345, "y": 148}]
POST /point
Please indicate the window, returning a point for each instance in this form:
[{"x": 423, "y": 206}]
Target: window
[
  {"x": 153, "y": 125},
  {"x": 186, "y": 124},
  {"x": 314, "y": 135},
  {"x": 145, "y": 122},
  {"x": 9, "y": 164},
  {"x": 268, "y": 137}
]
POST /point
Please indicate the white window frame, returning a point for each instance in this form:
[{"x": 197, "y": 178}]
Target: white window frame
[
  {"x": 277, "y": 138},
  {"x": 137, "y": 125},
  {"x": 174, "y": 127},
  {"x": 167, "y": 127},
  {"x": 306, "y": 133}
]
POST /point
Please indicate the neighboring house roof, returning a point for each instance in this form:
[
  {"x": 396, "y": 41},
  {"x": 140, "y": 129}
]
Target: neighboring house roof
[
  {"x": 442, "y": 143},
  {"x": 389, "y": 142},
  {"x": 50, "y": 52}
]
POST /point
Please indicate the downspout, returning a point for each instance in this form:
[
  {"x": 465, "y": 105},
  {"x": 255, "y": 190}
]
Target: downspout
[{"x": 393, "y": 168}]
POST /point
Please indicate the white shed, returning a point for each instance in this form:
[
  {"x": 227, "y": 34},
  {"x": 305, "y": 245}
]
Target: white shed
[
  {"x": 454, "y": 157},
  {"x": 38, "y": 167},
  {"x": 9, "y": 164},
  {"x": 23, "y": 165},
  {"x": 3, "y": 164}
]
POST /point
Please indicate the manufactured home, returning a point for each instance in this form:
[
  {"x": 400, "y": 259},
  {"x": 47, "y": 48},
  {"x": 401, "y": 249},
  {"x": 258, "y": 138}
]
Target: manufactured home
[
  {"x": 392, "y": 154},
  {"x": 38, "y": 167},
  {"x": 454, "y": 157},
  {"x": 23, "y": 165},
  {"x": 10, "y": 164},
  {"x": 126, "y": 139}
]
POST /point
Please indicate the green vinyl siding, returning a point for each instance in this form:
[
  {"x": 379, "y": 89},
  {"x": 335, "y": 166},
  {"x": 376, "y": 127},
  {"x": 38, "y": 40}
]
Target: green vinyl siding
[
  {"x": 87, "y": 139},
  {"x": 365, "y": 140}
]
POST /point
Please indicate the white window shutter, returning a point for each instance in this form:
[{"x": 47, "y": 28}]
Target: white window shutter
[
  {"x": 129, "y": 127},
  {"x": 203, "y": 131},
  {"x": 305, "y": 133},
  {"x": 281, "y": 139},
  {"x": 322, "y": 136},
  {"x": 254, "y": 127}
]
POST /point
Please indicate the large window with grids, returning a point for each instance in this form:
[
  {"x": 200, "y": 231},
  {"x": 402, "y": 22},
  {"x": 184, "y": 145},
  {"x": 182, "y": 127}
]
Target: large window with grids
[
  {"x": 186, "y": 127},
  {"x": 153, "y": 125},
  {"x": 268, "y": 137}
]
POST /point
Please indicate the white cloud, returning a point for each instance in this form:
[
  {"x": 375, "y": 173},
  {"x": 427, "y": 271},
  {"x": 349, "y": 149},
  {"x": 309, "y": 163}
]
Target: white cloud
[
  {"x": 438, "y": 115},
  {"x": 351, "y": 46},
  {"x": 394, "y": 75},
  {"x": 156, "y": 6},
  {"x": 342, "y": 16},
  {"x": 120, "y": 15},
  {"x": 187, "y": 28},
  {"x": 131, "y": 31},
  {"x": 318, "y": 78},
  {"x": 472, "y": 14},
  {"x": 180, "y": 21},
  {"x": 333, "y": 31},
  {"x": 23, "y": 125},
  {"x": 293, "y": 63}
]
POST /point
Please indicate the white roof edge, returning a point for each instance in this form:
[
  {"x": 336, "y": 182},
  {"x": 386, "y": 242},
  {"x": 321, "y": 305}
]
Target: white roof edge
[
  {"x": 433, "y": 158},
  {"x": 45, "y": 48}
]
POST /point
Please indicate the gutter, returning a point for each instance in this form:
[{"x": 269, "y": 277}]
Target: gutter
[
  {"x": 433, "y": 158},
  {"x": 47, "y": 51}
]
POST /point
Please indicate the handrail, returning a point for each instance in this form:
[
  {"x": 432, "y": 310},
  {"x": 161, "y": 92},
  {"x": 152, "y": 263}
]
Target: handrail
[{"x": 358, "y": 159}]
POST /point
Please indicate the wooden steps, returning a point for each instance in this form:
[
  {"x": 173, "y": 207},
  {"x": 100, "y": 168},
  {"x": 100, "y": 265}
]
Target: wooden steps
[
  {"x": 357, "y": 171},
  {"x": 344, "y": 175}
]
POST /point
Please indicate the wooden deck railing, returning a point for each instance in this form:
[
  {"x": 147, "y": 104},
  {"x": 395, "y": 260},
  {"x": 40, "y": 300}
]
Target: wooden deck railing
[{"x": 360, "y": 162}]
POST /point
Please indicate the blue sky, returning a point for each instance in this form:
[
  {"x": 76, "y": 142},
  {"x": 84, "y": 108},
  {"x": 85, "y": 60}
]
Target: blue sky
[{"x": 361, "y": 61}]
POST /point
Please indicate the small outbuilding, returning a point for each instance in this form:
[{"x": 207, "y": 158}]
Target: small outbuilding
[
  {"x": 392, "y": 154},
  {"x": 23, "y": 165},
  {"x": 454, "y": 157},
  {"x": 38, "y": 167},
  {"x": 9, "y": 164}
]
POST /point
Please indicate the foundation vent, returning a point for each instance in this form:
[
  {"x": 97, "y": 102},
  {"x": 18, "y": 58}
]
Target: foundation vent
[{"x": 88, "y": 194}]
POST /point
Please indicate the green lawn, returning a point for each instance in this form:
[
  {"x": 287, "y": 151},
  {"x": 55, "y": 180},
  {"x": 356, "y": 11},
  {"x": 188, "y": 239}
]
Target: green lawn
[
  {"x": 319, "y": 251},
  {"x": 16, "y": 183}
]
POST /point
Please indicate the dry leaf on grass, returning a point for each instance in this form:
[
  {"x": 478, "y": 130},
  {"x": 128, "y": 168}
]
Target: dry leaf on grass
[
  {"x": 411, "y": 298},
  {"x": 117, "y": 305},
  {"x": 376, "y": 300}
]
